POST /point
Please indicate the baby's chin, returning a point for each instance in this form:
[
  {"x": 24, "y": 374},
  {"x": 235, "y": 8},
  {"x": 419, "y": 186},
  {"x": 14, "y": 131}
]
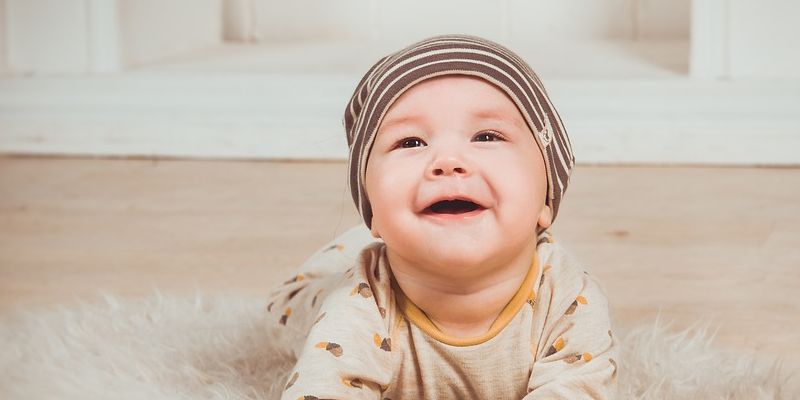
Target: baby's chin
[{"x": 455, "y": 256}]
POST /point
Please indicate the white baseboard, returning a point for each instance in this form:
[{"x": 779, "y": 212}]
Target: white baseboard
[{"x": 298, "y": 116}]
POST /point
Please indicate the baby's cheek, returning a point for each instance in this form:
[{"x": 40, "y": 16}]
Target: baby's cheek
[
  {"x": 529, "y": 180},
  {"x": 521, "y": 206},
  {"x": 392, "y": 221}
]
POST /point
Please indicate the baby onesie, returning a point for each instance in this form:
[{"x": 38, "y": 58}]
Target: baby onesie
[{"x": 356, "y": 336}]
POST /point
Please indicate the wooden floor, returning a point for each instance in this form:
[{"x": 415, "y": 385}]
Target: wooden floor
[{"x": 690, "y": 244}]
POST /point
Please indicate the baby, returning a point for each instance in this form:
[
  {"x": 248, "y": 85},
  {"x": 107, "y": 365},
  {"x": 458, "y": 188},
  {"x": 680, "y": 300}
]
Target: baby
[{"x": 458, "y": 163}]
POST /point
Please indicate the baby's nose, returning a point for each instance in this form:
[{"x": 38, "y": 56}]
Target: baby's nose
[{"x": 446, "y": 166}]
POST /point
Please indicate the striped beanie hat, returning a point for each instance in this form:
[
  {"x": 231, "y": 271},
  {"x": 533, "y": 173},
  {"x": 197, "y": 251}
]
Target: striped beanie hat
[{"x": 454, "y": 55}]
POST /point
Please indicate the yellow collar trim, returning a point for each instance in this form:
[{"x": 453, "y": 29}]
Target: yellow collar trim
[{"x": 524, "y": 294}]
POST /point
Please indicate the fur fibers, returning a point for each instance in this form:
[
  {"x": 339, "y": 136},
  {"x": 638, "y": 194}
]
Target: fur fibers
[{"x": 219, "y": 347}]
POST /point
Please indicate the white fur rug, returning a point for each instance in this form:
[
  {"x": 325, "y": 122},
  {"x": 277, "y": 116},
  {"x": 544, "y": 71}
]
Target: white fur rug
[{"x": 218, "y": 348}]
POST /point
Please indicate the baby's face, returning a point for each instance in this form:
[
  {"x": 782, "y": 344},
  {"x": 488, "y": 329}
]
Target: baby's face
[{"x": 455, "y": 176}]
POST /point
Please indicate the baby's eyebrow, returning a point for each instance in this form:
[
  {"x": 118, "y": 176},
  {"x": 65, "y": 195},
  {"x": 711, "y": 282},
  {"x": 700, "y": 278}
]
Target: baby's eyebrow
[
  {"x": 406, "y": 119},
  {"x": 496, "y": 116},
  {"x": 488, "y": 113},
  {"x": 478, "y": 115}
]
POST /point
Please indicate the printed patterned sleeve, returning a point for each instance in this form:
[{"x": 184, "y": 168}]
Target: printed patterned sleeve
[
  {"x": 347, "y": 353},
  {"x": 575, "y": 355}
]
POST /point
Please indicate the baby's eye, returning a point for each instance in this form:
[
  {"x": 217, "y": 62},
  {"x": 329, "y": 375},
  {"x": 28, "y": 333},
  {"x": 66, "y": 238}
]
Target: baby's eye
[
  {"x": 410, "y": 142},
  {"x": 488, "y": 136}
]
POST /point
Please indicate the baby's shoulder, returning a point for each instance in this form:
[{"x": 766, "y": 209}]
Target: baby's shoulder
[
  {"x": 362, "y": 290},
  {"x": 343, "y": 280},
  {"x": 565, "y": 279},
  {"x": 341, "y": 253}
]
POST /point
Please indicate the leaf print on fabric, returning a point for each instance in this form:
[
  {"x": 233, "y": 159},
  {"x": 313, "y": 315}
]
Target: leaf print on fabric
[
  {"x": 286, "y": 314},
  {"x": 571, "y": 359},
  {"x": 574, "y": 305},
  {"x": 321, "y": 316},
  {"x": 331, "y": 347},
  {"x": 575, "y": 357},
  {"x": 384, "y": 344},
  {"x": 296, "y": 278},
  {"x": 557, "y": 346},
  {"x": 382, "y": 311},
  {"x": 353, "y": 383},
  {"x": 294, "y": 293},
  {"x": 292, "y": 380},
  {"x": 338, "y": 247},
  {"x": 614, "y": 363},
  {"x": 316, "y": 296},
  {"x": 532, "y": 299},
  {"x": 362, "y": 289},
  {"x": 544, "y": 271}
]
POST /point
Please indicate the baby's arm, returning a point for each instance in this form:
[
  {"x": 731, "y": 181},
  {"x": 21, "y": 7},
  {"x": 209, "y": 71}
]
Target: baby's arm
[
  {"x": 577, "y": 353},
  {"x": 347, "y": 354}
]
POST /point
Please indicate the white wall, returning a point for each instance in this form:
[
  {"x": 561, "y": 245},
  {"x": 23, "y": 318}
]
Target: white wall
[
  {"x": 577, "y": 19},
  {"x": 154, "y": 29},
  {"x": 46, "y": 36},
  {"x": 504, "y": 20},
  {"x": 70, "y": 37},
  {"x": 404, "y": 21},
  {"x": 730, "y": 38},
  {"x": 3, "y": 27},
  {"x": 764, "y": 38},
  {"x": 280, "y": 20},
  {"x": 238, "y": 20},
  {"x": 630, "y": 115},
  {"x": 662, "y": 19},
  {"x": 735, "y": 39}
]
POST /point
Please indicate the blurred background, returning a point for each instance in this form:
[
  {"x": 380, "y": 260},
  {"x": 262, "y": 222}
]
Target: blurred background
[
  {"x": 215, "y": 78},
  {"x": 198, "y": 145}
]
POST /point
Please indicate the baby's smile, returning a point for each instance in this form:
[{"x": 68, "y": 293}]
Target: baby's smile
[
  {"x": 456, "y": 206},
  {"x": 454, "y": 209}
]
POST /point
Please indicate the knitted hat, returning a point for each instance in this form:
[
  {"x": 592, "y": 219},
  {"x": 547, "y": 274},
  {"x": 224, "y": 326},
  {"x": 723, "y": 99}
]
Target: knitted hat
[{"x": 454, "y": 55}]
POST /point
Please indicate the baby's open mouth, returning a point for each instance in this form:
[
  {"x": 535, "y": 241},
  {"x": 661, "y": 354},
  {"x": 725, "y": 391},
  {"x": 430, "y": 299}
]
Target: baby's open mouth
[{"x": 452, "y": 207}]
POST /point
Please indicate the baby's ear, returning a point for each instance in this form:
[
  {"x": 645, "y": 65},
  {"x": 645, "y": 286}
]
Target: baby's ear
[{"x": 545, "y": 217}]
